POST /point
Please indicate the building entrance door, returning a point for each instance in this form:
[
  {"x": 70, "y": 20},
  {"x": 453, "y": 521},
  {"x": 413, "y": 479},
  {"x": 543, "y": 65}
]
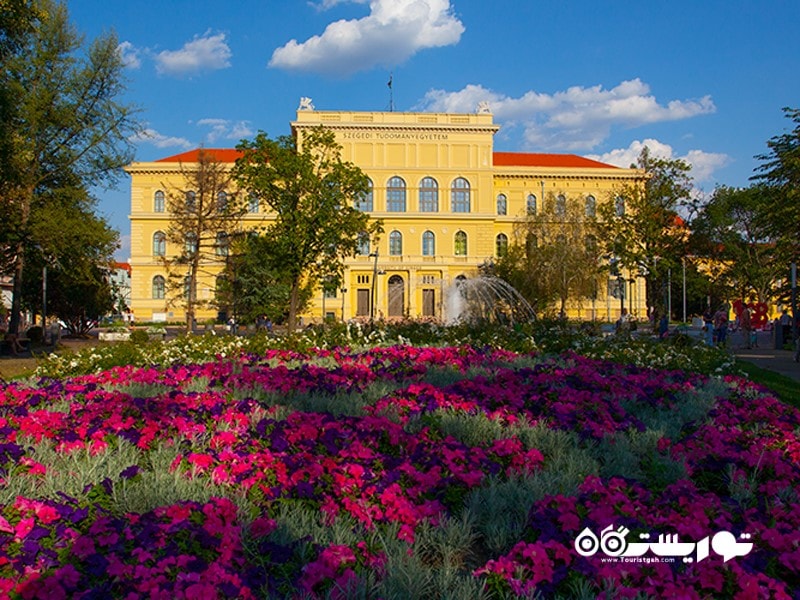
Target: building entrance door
[
  {"x": 397, "y": 296},
  {"x": 362, "y": 303}
]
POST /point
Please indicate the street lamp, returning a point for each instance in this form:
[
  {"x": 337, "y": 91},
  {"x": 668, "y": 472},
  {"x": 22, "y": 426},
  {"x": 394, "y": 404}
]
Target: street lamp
[
  {"x": 374, "y": 280},
  {"x": 344, "y": 291}
]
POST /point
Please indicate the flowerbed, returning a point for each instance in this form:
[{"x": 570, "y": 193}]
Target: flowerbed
[{"x": 393, "y": 472}]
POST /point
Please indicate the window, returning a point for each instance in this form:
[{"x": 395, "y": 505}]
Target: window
[
  {"x": 561, "y": 206},
  {"x": 428, "y": 244},
  {"x": 159, "y": 287},
  {"x": 395, "y": 243},
  {"x": 530, "y": 204},
  {"x": 222, "y": 202},
  {"x": 501, "y": 245},
  {"x": 191, "y": 200},
  {"x": 460, "y": 243},
  {"x": 619, "y": 206},
  {"x": 222, "y": 244},
  {"x": 363, "y": 244},
  {"x": 253, "y": 204},
  {"x": 502, "y": 204},
  {"x": 364, "y": 202},
  {"x": 396, "y": 195},
  {"x": 191, "y": 243},
  {"x": 159, "y": 244},
  {"x": 591, "y": 206},
  {"x": 159, "y": 202},
  {"x": 428, "y": 195},
  {"x": 459, "y": 196}
]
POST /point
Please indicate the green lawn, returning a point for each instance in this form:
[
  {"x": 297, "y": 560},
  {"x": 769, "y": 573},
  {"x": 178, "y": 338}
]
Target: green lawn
[{"x": 786, "y": 388}]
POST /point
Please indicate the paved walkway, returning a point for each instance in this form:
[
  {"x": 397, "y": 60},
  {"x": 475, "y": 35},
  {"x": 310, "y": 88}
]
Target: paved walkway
[{"x": 765, "y": 355}]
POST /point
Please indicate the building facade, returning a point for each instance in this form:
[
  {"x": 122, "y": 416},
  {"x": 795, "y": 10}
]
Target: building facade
[{"x": 448, "y": 203}]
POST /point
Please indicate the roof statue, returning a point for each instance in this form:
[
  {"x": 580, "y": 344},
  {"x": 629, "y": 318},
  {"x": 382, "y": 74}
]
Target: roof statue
[
  {"x": 305, "y": 104},
  {"x": 483, "y": 108}
]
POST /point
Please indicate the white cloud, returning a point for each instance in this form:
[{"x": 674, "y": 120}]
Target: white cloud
[
  {"x": 151, "y": 136},
  {"x": 129, "y": 55},
  {"x": 393, "y": 31},
  {"x": 223, "y": 129},
  {"x": 575, "y": 119},
  {"x": 703, "y": 163},
  {"x": 204, "y": 53}
]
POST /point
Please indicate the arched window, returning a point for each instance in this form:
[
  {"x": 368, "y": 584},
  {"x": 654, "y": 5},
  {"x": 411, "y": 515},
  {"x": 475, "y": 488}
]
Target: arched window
[
  {"x": 501, "y": 245},
  {"x": 530, "y": 204},
  {"x": 502, "y": 204},
  {"x": 428, "y": 195},
  {"x": 222, "y": 202},
  {"x": 619, "y": 206},
  {"x": 253, "y": 204},
  {"x": 591, "y": 206},
  {"x": 428, "y": 243},
  {"x": 396, "y": 195},
  {"x": 159, "y": 287},
  {"x": 365, "y": 202},
  {"x": 363, "y": 244},
  {"x": 395, "y": 243},
  {"x": 460, "y": 243},
  {"x": 159, "y": 201},
  {"x": 223, "y": 244},
  {"x": 191, "y": 243},
  {"x": 459, "y": 196},
  {"x": 159, "y": 244},
  {"x": 561, "y": 205},
  {"x": 191, "y": 200}
]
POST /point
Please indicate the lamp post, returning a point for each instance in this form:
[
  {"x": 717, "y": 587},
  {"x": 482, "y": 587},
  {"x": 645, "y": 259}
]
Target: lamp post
[
  {"x": 344, "y": 291},
  {"x": 374, "y": 280}
]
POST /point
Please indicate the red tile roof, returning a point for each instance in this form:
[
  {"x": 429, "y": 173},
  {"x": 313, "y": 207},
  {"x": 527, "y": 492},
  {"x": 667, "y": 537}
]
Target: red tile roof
[
  {"x": 225, "y": 155},
  {"x": 532, "y": 159}
]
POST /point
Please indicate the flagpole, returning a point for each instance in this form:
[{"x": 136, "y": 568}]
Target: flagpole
[{"x": 391, "y": 94}]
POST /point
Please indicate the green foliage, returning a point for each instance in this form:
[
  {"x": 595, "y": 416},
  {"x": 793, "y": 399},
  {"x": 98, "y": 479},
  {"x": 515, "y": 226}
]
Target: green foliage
[
  {"x": 645, "y": 236},
  {"x": 312, "y": 193},
  {"x": 64, "y": 130},
  {"x": 780, "y": 171},
  {"x": 553, "y": 255}
]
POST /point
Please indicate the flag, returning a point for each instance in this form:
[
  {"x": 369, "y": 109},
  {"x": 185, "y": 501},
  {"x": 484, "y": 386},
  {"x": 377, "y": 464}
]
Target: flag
[{"x": 389, "y": 83}]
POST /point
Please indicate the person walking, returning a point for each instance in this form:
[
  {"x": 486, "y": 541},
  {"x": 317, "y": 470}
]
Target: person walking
[
  {"x": 721, "y": 326},
  {"x": 746, "y": 324}
]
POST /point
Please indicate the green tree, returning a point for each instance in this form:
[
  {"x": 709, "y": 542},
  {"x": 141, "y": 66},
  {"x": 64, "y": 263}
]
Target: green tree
[
  {"x": 640, "y": 224},
  {"x": 253, "y": 285},
  {"x": 730, "y": 229},
  {"x": 311, "y": 193},
  {"x": 65, "y": 122},
  {"x": 780, "y": 173},
  {"x": 553, "y": 255},
  {"x": 76, "y": 246},
  {"x": 205, "y": 216}
]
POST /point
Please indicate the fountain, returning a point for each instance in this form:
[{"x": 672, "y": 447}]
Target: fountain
[{"x": 485, "y": 299}]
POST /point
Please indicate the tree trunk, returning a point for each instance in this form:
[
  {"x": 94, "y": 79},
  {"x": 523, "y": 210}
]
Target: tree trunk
[
  {"x": 16, "y": 294},
  {"x": 293, "y": 300}
]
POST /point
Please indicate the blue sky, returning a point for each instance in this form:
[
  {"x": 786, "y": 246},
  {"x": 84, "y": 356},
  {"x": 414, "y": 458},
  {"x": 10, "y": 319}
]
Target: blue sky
[{"x": 703, "y": 80}]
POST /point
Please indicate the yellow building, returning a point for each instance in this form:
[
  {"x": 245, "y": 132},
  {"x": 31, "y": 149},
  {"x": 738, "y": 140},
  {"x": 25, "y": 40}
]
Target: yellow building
[{"x": 447, "y": 200}]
